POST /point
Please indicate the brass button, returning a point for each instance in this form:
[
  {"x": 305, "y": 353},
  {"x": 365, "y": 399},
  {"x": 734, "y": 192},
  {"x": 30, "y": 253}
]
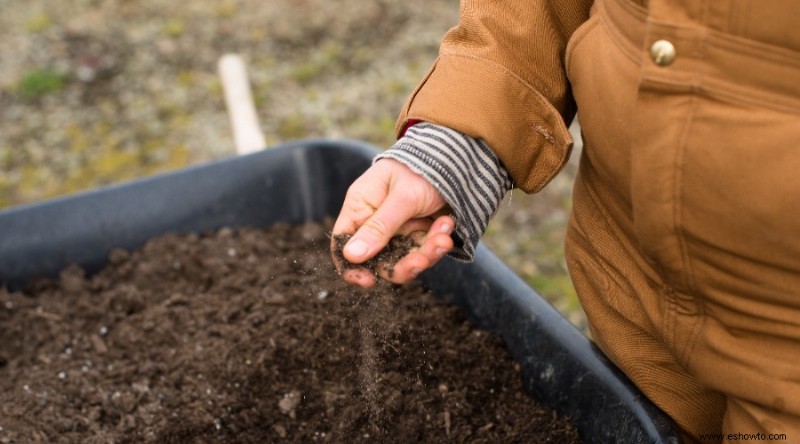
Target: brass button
[{"x": 663, "y": 53}]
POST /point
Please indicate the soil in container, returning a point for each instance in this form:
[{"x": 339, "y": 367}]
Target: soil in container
[{"x": 249, "y": 336}]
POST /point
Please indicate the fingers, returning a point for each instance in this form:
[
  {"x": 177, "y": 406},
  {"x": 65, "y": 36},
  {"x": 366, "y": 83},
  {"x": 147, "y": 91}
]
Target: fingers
[
  {"x": 375, "y": 207},
  {"x": 390, "y": 199},
  {"x": 375, "y": 233},
  {"x": 360, "y": 276},
  {"x": 404, "y": 199},
  {"x": 435, "y": 245}
]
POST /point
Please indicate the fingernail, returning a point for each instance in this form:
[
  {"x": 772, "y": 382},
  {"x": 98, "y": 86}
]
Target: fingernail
[
  {"x": 445, "y": 228},
  {"x": 415, "y": 272},
  {"x": 440, "y": 252},
  {"x": 356, "y": 248}
]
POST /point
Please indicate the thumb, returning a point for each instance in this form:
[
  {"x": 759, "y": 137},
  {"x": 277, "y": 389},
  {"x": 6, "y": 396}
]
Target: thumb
[{"x": 378, "y": 229}]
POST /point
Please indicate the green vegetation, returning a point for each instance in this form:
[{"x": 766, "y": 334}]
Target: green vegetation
[
  {"x": 39, "y": 23},
  {"x": 174, "y": 27},
  {"x": 40, "y": 82},
  {"x": 305, "y": 72},
  {"x": 293, "y": 127}
]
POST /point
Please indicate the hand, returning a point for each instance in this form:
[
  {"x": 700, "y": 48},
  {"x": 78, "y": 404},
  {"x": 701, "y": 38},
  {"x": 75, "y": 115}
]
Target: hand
[{"x": 391, "y": 199}]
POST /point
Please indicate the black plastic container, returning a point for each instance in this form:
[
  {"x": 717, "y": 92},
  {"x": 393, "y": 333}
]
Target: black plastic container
[{"x": 307, "y": 181}]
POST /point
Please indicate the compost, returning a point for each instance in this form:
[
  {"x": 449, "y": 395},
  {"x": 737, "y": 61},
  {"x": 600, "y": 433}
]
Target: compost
[{"x": 250, "y": 336}]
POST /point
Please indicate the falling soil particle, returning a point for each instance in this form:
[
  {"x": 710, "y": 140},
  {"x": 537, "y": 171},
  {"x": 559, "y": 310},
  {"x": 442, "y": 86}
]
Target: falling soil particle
[{"x": 250, "y": 336}]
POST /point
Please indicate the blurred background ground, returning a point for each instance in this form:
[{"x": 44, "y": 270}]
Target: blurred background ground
[{"x": 94, "y": 92}]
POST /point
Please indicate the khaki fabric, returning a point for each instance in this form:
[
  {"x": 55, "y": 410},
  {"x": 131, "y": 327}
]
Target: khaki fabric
[
  {"x": 684, "y": 242},
  {"x": 493, "y": 81}
]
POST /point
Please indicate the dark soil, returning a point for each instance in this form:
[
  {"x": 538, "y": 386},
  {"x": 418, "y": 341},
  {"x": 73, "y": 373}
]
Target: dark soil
[
  {"x": 249, "y": 336},
  {"x": 386, "y": 259}
]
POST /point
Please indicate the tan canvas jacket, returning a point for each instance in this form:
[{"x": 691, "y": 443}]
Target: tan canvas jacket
[{"x": 500, "y": 75}]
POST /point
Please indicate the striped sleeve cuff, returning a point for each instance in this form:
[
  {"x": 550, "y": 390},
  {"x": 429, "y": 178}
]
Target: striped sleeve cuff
[{"x": 469, "y": 176}]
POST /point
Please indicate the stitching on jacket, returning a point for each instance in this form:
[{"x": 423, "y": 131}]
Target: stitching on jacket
[
  {"x": 677, "y": 196},
  {"x": 577, "y": 37}
]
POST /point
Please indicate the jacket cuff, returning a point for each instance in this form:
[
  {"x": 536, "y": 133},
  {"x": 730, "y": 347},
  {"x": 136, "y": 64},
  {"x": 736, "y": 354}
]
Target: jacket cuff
[
  {"x": 486, "y": 101},
  {"x": 467, "y": 174}
]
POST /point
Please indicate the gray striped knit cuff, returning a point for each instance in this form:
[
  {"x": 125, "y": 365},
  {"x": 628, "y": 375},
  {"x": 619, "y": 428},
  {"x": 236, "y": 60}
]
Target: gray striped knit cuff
[{"x": 469, "y": 176}]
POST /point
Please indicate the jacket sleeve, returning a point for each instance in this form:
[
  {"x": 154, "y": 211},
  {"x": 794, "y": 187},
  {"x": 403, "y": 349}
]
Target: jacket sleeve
[
  {"x": 500, "y": 77},
  {"x": 465, "y": 171}
]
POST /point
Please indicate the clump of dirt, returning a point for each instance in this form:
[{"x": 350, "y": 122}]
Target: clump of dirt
[
  {"x": 250, "y": 336},
  {"x": 397, "y": 247}
]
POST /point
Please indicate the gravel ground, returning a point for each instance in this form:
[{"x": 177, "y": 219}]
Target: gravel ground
[{"x": 101, "y": 91}]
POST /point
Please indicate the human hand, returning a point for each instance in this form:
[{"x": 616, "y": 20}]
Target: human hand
[{"x": 391, "y": 199}]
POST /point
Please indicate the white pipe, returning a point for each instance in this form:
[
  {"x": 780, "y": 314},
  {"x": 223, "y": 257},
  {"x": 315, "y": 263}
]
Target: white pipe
[{"x": 247, "y": 133}]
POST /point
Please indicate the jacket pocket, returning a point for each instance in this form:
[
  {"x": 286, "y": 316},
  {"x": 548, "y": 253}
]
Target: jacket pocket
[{"x": 577, "y": 38}]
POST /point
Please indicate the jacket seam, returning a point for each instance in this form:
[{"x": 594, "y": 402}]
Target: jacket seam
[
  {"x": 677, "y": 208},
  {"x": 579, "y": 36}
]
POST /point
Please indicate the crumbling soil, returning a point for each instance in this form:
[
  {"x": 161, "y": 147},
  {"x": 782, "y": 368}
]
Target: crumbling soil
[
  {"x": 396, "y": 248},
  {"x": 250, "y": 336}
]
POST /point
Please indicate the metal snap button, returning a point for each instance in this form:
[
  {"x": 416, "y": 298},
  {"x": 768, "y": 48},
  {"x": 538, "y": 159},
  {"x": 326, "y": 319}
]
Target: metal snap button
[{"x": 662, "y": 52}]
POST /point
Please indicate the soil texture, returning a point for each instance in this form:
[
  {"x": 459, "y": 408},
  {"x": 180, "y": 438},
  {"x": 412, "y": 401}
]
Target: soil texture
[
  {"x": 385, "y": 259},
  {"x": 250, "y": 336}
]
